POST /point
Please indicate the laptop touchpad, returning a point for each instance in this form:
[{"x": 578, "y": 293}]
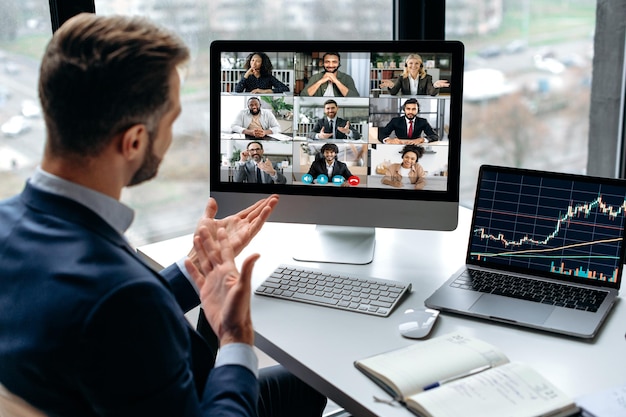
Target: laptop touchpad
[{"x": 512, "y": 309}]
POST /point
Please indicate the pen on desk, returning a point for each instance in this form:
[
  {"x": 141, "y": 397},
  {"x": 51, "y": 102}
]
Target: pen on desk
[{"x": 454, "y": 378}]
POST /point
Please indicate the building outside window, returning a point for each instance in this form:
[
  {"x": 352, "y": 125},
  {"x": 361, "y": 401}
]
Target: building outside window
[{"x": 527, "y": 85}]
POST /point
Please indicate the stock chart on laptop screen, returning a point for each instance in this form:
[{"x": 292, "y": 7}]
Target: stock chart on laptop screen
[{"x": 561, "y": 226}]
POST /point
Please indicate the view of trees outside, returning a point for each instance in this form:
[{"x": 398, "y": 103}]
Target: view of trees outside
[
  {"x": 527, "y": 85},
  {"x": 24, "y": 30},
  {"x": 527, "y": 89}
]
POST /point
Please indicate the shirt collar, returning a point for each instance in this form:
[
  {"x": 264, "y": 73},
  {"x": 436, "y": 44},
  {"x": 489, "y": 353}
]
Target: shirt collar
[{"x": 116, "y": 214}]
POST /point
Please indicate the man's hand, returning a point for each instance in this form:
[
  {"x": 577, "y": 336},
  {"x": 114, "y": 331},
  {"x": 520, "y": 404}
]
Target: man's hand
[
  {"x": 267, "y": 166},
  {"x": 416, "y": 141},
  {"x": 345, "y": 129},
  {"x": 240, "y": 227},
  {"x": 324, "y": 135},
  {"x": 224, "y": 292},
  {"x": 330, "y": 77}
]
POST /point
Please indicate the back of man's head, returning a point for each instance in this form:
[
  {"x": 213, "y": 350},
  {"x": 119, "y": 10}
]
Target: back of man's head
[{"x": 101, "y": 75}]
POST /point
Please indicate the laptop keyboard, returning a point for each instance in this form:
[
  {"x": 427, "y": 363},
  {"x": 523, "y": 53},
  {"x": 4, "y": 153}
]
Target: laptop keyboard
[
  {"x": 530, "y": 289},
  {"x": 325, "y": 288}
]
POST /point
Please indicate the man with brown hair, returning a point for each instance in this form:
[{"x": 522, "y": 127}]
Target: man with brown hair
[{"x": 88, "y": 329}]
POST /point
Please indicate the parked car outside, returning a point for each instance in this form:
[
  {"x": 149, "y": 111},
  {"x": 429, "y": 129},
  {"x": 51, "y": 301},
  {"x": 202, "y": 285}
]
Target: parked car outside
[
  {"x": 489, "y": 52},
  {"x": 15, "y": 126},
  {"x": 30, "y": 109},
  {"x": 515, "y": 46}
]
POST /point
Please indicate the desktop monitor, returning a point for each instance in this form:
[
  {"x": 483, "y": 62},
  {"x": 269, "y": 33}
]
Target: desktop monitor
[{"x": 271, "y": 106}]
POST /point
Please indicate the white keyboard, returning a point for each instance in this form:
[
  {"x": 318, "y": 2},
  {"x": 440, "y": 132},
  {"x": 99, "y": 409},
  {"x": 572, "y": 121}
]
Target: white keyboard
[{"x": 329, "y": 289}]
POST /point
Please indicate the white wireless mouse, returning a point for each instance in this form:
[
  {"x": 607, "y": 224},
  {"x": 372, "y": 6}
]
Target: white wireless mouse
[{"x": 417, "y": 322}]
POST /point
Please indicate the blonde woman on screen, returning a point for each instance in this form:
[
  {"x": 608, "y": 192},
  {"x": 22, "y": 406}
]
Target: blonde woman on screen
[{"x": 414, "y": 79}]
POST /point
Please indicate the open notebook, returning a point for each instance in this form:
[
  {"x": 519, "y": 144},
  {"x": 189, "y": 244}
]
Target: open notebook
[{"x": 545, "y": 250}]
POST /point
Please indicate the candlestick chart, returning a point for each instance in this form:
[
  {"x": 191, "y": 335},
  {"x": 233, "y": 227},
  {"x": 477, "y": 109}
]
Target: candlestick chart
[{"x": 557, "y": 226}]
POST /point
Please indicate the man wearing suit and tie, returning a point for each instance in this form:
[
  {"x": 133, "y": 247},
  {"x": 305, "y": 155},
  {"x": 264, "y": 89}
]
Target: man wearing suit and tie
[
  {"x": 87, "y": 328},
  {"x": 408, "y": 128},
  {"x": 331, "y": 126},
  {"x": 252, "y": 167}
]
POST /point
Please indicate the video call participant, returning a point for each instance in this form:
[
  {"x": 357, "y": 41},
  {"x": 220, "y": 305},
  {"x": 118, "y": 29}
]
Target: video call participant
[
  {"x": 87, "y": 328},
  {"x": 331, "y": 126},
  {"x": 253, "y": 167},
  {"x": 408, "y": 172},
  {"x": 408, "y": 128},
  {"x": 331, "y": 82},
  {"x": 329, "y": 165},
  {"x": 255, "y": 122},
  {"x": 414, "y": 80},
  {"x": 258, "y": 78}
]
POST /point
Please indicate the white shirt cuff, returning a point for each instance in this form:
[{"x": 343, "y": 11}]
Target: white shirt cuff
[
  {"x": 238, "y": 354},
  {"x": 232, "y": 353}
]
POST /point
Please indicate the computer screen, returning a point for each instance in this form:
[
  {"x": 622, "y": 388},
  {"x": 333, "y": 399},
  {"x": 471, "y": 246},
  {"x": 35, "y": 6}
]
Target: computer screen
[{"x": 353, "y": 135}]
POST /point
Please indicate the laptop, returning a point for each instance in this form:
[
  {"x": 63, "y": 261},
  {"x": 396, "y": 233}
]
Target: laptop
[{"x": 563, "y": 233}]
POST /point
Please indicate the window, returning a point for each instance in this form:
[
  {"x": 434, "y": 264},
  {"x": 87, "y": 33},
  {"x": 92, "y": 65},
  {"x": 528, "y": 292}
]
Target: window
[
  {"x": 527, "y": 84},
  {"x": 533, "y": 57},
  {"x": 24, "y": 31}
]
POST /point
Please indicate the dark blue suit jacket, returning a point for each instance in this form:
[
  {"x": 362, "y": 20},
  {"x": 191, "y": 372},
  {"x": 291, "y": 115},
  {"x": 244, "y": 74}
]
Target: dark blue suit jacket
[{"x": 88, "y": 329}]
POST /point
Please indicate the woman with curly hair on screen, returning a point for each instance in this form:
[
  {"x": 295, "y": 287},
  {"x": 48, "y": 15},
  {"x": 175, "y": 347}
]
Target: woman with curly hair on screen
[
  {"x": 258, "y": 78},
  {"x": 408, "y": 172}
]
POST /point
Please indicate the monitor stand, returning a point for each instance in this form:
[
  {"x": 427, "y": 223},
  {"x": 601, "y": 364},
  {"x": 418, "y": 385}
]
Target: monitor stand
[{"x": 337, "y": 244}]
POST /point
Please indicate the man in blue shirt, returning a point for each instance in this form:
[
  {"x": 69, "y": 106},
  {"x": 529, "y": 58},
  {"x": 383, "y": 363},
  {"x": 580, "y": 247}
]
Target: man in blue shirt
[{"x": 87, "y": 328}]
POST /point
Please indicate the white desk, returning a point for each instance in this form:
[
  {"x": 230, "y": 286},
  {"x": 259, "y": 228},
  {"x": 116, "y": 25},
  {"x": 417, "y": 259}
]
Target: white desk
[{"x": 319, "y": 344}]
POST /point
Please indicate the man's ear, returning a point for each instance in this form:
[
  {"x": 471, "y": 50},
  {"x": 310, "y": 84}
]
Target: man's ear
[{"x": 133, "y": 141}]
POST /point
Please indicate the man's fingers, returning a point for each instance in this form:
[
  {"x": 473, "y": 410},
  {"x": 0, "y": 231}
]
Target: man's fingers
[
  {"x": 197, "y": 270},
  {"x": 211, "y": 208},
  {"x": 246, "y": 271},
  {"x": 257, "y": 207},
  {"x": 224, "y": 249},
  {"x": 262, "y": 212}
]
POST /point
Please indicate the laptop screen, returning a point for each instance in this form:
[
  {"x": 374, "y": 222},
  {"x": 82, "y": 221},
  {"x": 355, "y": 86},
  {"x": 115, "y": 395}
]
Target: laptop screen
[{"x": 563, "y": 226}]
